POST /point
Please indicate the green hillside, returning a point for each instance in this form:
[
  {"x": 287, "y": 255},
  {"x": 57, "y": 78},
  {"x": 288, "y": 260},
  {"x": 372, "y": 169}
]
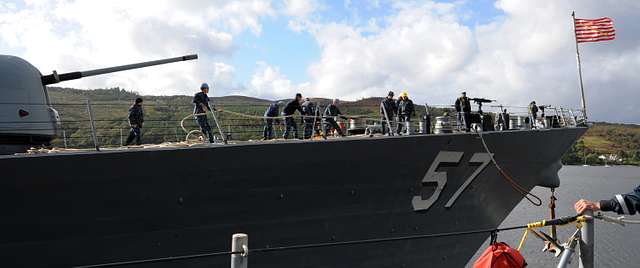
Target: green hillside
[{"x": 620, "y": 141}]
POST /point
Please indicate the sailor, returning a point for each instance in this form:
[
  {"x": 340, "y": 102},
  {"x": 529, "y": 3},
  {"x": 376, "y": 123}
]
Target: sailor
[
  {"x": 200, "y": 108},
  {"x": 533, "y": 110},
  {"x": 628, "y": 203},
  {"x": 330, "y": 112},
  {"x": 136, "y": 118},
  {"x": 309, "y": 119},
  {"x": 463, "y": 108},
  {"x": 505, "y": 118},
  {"x": 270, "y": 115},
  {"x": 405, "y": 111},
  {"x": 388, "y": 111},
  {"x": 287, "y": 112}
]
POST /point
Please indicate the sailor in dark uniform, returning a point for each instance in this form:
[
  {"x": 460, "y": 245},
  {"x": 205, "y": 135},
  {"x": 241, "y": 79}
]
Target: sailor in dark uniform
[
  {"x": 388, "y": 111},
  {"x": 405, "y": 111},
  {"x": 309, "y": 113},
  {"x": 533, "y": 109},
  {"x": 200, "y": 109},
  {"x": 330, "y": 112},
  {"x": 627, "y": 204},
  {"x": 136, "y": 118},
  {"x": 269, "y": 114},
  {"x": 463, "y": 107},
  {"x": 503, "y": 120},
  {"x": 289, "y": 110}
]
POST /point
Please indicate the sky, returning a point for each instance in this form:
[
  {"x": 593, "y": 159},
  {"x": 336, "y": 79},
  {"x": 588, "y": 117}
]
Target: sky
[{"x": 512, "y": 51}]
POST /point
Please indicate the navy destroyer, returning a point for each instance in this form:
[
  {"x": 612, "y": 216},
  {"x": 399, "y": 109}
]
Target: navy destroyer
[{"x": 95, "y": 207}]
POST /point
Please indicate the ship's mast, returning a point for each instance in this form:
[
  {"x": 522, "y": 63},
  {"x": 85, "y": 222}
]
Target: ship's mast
[{"x": 584, "y": 105}]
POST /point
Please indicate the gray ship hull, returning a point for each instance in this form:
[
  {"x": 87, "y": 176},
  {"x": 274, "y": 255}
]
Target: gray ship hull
[{"x": 65, "y": 210}]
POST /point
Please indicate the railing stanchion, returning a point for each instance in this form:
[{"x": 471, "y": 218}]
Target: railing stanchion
[
  {"x": 587, "y": 241},
  {"x": 93, "y": 126},
  {"x": 240, "y": 243},
  {"x": 569, "y": 250},
  {"x": 64, "y": 138}
]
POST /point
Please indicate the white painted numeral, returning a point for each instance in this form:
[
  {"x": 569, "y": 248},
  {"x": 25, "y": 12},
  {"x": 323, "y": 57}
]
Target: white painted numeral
[{"x": 439, "y": 178}]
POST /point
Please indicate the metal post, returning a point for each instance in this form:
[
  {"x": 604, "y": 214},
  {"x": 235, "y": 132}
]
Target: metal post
[
  {"x": 175, "y": 130},
  {"x": 240, "y": 243},
  {"x": 565, "y": 258},
  {"x": 93, "y": 126},
  {"x": 564, "y": 120},
  {"x": 584, "y": 105},
  {"x": 121, "y": 142},
  {"x": 316, "y": 113},
  {"x": 64, "y": 138},
  {"x": 215, "y": 119},
  {"x": 569, "y": 249},
  {"x": 574, "y": 121},
  {"x": 386, "y": 117},
  {"x": 587, "y": 241}
]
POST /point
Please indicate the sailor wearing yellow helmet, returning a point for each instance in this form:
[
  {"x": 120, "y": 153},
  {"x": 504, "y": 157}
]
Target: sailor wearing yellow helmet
[{"x": 405, "y": 112}]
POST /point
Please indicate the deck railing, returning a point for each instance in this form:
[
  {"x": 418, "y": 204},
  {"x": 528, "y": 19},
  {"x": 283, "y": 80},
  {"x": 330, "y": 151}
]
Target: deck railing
[{"x": 89, "y": 124}]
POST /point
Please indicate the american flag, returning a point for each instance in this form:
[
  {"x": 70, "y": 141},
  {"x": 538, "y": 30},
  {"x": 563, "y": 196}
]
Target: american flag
[{"x": 594, "y": 30}]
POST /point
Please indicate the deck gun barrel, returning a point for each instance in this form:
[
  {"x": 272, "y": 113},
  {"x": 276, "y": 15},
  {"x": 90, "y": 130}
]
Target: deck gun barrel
[
  {"x": 481, "y": 100},
  {"x": 57, "y": 78}
]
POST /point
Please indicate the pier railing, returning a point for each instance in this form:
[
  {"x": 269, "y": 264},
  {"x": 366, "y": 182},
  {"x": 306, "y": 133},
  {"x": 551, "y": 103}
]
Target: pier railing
[{"x": 581, "y": 240}]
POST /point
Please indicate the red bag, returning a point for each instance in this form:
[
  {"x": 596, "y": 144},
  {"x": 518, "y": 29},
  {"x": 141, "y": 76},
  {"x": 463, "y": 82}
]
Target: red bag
[{"x": 500, "y": 255}]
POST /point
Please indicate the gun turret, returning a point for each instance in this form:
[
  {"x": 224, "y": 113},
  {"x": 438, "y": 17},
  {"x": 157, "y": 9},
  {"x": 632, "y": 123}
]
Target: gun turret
[
  {"x": 57, "y": 78},
  {"x": 26, "y": 116}
]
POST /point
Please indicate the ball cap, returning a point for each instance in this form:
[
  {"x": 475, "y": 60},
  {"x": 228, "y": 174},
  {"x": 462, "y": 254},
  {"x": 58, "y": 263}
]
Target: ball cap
[
  {"x": 390, "y": 93},
  {"x": 204, "y": 85}
]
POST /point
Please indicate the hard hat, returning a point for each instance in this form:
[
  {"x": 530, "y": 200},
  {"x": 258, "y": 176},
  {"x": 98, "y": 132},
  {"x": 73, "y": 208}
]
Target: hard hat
[
  {"x": 390, "y": 93},
  {"x": 204, "y": 85},
  {"x": 404, "y": 94}
]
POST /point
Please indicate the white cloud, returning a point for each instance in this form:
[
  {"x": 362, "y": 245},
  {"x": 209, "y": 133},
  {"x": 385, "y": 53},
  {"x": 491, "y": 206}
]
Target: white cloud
[
  {"x": 80, "y": 35},
  {"x": 269, "y": 82},
  {"x": 300, "y": 8},
  {"x": 420, "y": 47}
]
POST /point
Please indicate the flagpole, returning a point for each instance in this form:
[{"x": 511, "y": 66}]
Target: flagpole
[{"x": 584, "y": 105}]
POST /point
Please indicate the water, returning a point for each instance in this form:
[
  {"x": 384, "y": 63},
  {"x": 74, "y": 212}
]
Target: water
[{"x": 615, "y": 245}]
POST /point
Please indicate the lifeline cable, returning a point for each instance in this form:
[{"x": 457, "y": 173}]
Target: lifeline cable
[
  {"x": 617, "y": 220},
  {"x": 521, "y": 190}
]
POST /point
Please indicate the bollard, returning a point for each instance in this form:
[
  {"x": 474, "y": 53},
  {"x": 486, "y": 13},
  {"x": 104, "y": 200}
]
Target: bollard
[
  {"x": 587, "y": 237},
  {"x": 240, "y": 243}
]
